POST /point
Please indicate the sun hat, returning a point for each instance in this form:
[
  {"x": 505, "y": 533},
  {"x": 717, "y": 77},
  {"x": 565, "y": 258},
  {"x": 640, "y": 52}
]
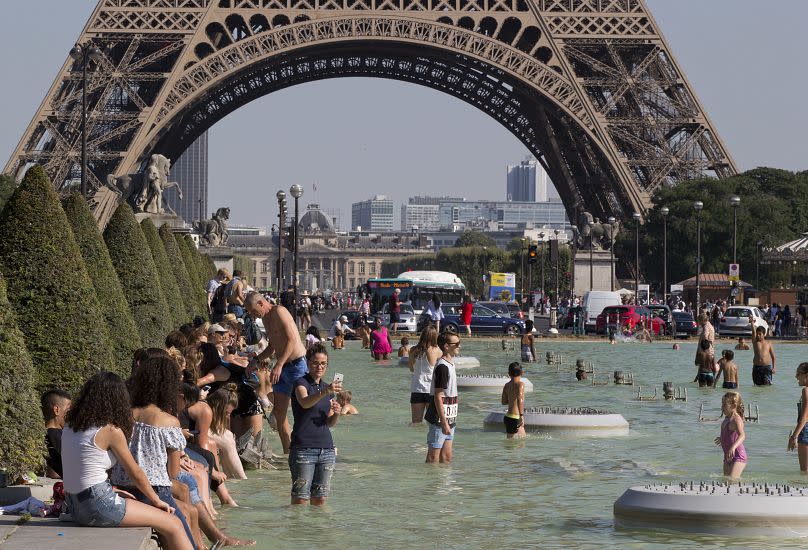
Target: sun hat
[{"x": 216, "y": 328}]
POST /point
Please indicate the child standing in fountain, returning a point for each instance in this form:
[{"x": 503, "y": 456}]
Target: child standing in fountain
[
  {"x": 732, "y": 435},
  {"x": 528, "y": 351},
  {"x": 800, "y": 433},
  {"x": 513, "y": 395},
  {"x": 727, "y": 366}
]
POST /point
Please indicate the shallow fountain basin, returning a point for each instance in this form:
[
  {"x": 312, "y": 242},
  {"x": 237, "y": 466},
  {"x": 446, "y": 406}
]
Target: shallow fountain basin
[
  {"x": 581, "y": 421},
  {"x": 488, "y": 382},
  {"x": 717, "y": 508}
]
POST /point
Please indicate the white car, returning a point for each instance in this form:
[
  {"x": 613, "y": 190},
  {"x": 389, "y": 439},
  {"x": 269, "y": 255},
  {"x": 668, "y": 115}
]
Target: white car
[
  {"x": 741, "y": 321},
  {"x": 407, "y": 320}
]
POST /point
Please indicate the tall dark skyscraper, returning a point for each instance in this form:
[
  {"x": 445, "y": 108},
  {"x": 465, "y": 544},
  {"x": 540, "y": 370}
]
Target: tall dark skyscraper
[{"x": 191, "y": 172}]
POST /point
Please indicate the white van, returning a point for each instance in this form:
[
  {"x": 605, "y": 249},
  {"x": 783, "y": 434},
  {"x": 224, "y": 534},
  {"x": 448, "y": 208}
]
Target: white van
[{"x": 594, "y": 302}]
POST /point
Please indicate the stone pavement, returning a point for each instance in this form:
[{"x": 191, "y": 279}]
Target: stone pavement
[{"x": 52, "y": 534}]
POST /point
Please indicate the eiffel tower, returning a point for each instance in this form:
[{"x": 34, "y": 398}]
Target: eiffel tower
[{"x": 591, "y": 87}]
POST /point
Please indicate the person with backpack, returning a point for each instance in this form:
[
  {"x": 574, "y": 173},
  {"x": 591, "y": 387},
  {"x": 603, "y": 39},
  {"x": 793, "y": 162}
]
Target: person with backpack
[
  {"x": 221, "y": 278},
  {"x": 218, "y": 303},
  {"x": 234, "y": 293}
]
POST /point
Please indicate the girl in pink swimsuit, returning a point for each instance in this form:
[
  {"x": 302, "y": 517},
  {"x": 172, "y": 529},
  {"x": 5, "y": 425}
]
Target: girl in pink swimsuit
[
  {"x": 732, "y": 435},
  {"x": 380, "y": 345}
]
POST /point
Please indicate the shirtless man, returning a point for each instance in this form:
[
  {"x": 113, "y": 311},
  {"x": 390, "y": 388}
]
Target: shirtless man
[
  {"x": 727, "y": 366},
  {"x": 284, "y": 342},
  {"x": 706, "y": 332},
  {"x": 741, "y": 345},
  {"x": 763, "y": 365},
  {"x": 513, "y": 395},
  {"x": 235, "y": 295}
]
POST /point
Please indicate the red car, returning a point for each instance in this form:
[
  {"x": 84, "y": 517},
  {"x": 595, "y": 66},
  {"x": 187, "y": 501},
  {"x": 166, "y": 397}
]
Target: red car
[{"x": 621, "y": 316}]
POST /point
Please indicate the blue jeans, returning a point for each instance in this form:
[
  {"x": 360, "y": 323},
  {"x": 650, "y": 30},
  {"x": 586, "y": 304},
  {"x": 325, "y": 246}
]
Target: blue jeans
[
  {"x": 97, "y": 506},
  {"x": 311, "y": 471}
]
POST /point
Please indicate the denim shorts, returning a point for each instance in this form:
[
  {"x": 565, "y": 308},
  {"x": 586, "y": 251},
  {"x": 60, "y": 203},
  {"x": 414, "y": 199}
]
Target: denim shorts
[
  {"x": 803, "y": 437},
  {"x": 290, "y": 372},
  {"x": 311, "y": 471},
  {"x": 97, "y": 506},
  {"x": 193, "y": 487},
  {"x": 435, "y": 438}
]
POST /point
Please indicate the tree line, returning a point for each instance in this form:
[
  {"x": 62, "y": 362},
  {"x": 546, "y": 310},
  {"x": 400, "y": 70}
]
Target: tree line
[{"x": 75, "y": 301}]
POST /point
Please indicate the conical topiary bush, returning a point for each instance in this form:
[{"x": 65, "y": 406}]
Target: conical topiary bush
[
  {"x": 21, "y": 442},
  {"x": 138, "y": 275},
  {"x": 197, "y": 285},
  {"x": 123, "y": 333},
  {"x": 180, "y": 272},
  {"x": 49, "y": 288},
  {"x": 212, "y": 269},
  {"x": 201, "y": 266},
  {"x": 168, "y": 283}
]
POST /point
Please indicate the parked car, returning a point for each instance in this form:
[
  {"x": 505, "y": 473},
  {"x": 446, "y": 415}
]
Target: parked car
[
  {"x": 407, "y": 320},
  {"x": 503, "y": 308},
  {"x": 663, "y": 312},
  {"x": 483, "y": 321},
  {"x": 686, "y": 325},
  {"x": 594, "y": 302},
  {"x": 617, "y": 317},
  {"x": 741, "y": 321}
]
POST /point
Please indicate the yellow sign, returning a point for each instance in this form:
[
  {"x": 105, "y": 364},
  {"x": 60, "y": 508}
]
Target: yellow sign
[{"x": 503, "y": 279}]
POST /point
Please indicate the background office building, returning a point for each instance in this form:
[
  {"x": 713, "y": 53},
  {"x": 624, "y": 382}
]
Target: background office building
[
  {"x": 191, "y": 172},
  {"x": 423, "y": 217},
  {"x": 375, "y": 214},
  {"x": 528, "y": 182},
  {"x": 499, "y": 216}
]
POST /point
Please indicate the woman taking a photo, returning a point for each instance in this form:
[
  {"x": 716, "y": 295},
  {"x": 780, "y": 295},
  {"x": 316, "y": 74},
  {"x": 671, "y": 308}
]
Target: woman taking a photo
[
  {"x": 311, "y": 455},
  {"x": 94, "y": 440}
]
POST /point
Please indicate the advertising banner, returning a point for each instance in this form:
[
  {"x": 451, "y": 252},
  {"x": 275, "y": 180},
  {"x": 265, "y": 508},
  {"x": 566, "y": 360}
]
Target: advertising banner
[{"x": 503, "y": 287}]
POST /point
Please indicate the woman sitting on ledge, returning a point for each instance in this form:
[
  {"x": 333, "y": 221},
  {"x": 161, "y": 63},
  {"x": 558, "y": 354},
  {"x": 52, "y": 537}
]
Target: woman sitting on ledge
[{"x": 95, "y": 439}]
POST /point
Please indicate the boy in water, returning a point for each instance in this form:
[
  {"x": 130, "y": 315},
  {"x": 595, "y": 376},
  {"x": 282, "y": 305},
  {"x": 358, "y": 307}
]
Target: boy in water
[
  {"x": 741, "y": 345},
  {"x": 513, "y": 395},
  {"x": 344, "y": 399},
  {"x": 404, "y": 350},
  {"x": 727, "y": 366},
  {"x": 442, "y": 410},
  {"x": 706, "y": 365},
  {"x": 763, "y": 365}
]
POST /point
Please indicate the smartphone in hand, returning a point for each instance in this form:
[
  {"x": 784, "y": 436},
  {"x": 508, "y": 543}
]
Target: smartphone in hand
[{"x": 338, "y": 376}]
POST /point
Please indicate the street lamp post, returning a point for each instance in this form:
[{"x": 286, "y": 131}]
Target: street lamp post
[
  {"x": 541, "y": 239},
  {"x": 485, "y": 267},
  {"x": 611, "y": 221},
  {"x": 297, "y": 192},
  {"x": 637, "y": 217},
  {"x": 522, "y": 273},
  {"x": 735, "y": 201},
  {"x": 591, "y": 264},
  {"x": 665, "y": 211},
  {"x": 757, "y": 269},
  {"x": 281, "y": 220},
  {"x": 84, "y": 53},
  {"x": 558, "y": 261},
  {"x": 698, "y": 206}
]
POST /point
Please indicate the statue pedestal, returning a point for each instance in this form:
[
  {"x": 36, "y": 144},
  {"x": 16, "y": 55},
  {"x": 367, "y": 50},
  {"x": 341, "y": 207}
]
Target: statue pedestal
[
  {"x": 222, "y": 256},
  {"x": 601, "y": 271},
  {"x": 176, "y": 223}
]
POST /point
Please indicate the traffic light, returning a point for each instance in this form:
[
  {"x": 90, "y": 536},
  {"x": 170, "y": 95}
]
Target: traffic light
[{"x": 533, "y": 254}]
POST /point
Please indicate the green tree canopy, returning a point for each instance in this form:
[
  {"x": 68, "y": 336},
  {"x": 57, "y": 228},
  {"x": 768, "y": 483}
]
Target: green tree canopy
[
  {"x": 21, "y": 443},
  {"x": 7, "y": 186},
  {"x": 168, "y": 284},
  {"x": 181, "y": 275},
  {"x": 49, "y": 288},
  {"x": 187, "y": 249},
  {"x": 137, "y": 272},
  {"x": 773, "y": 210},
  {"x": 123, "y": 333},
  {"x": 474, "y": 238}
]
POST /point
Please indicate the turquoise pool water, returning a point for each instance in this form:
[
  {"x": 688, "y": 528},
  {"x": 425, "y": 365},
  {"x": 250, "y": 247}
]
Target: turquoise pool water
[{"x": 543, "y": 492}]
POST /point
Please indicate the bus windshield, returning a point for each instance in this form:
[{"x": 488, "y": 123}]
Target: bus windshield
[{"x": 417, "y": 288}]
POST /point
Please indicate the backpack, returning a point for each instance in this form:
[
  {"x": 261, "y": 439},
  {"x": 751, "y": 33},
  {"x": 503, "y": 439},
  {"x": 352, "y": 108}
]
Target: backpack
[
  {"x": 229, "y": 289},
  {"x": 251, "y": 332},
  {"x": 218, "y": 304}
]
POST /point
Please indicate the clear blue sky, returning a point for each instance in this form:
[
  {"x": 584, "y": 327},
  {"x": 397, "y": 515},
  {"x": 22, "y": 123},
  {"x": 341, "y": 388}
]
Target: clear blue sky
[{"x": 358, "y": 137}]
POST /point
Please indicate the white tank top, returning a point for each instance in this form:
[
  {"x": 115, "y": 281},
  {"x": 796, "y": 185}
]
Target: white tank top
[
  {"x": 421, "y": 374},
  {"x": 83, "y": 463}
]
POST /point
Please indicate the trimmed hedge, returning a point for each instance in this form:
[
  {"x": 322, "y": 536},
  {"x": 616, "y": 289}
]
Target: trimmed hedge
[
  {"x": 21, "y": 443},
  {"x": 180, "y": 272},
  {"x": 187, "y": 249},
  {"x": 7, "y": 186},
  {"x": 211, "y": 265},
  {"x": 123, "y": 333},
  {"x": 49, "y": 288},
  {"x": 138, "y": 275},
  {"x": 168, "y": 283}
]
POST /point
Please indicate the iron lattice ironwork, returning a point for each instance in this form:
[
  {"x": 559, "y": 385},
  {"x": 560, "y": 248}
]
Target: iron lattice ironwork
[{"x": 589, "y": 86}]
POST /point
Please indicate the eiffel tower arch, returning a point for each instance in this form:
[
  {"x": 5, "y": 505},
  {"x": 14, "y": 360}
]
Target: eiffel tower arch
[{"x": 589, "y": 86}]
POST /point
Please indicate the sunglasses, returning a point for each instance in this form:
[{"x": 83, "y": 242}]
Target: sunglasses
[{"x": 453, "y": 343}]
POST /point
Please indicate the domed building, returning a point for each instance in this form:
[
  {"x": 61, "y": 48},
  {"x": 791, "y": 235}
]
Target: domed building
[{"x": 314, "y": 221}]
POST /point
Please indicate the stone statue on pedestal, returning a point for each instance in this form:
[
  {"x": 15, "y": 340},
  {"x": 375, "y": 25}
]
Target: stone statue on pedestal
[
  {"x": 213, "y": 232},
  {"x": 588, "y": 232}
]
